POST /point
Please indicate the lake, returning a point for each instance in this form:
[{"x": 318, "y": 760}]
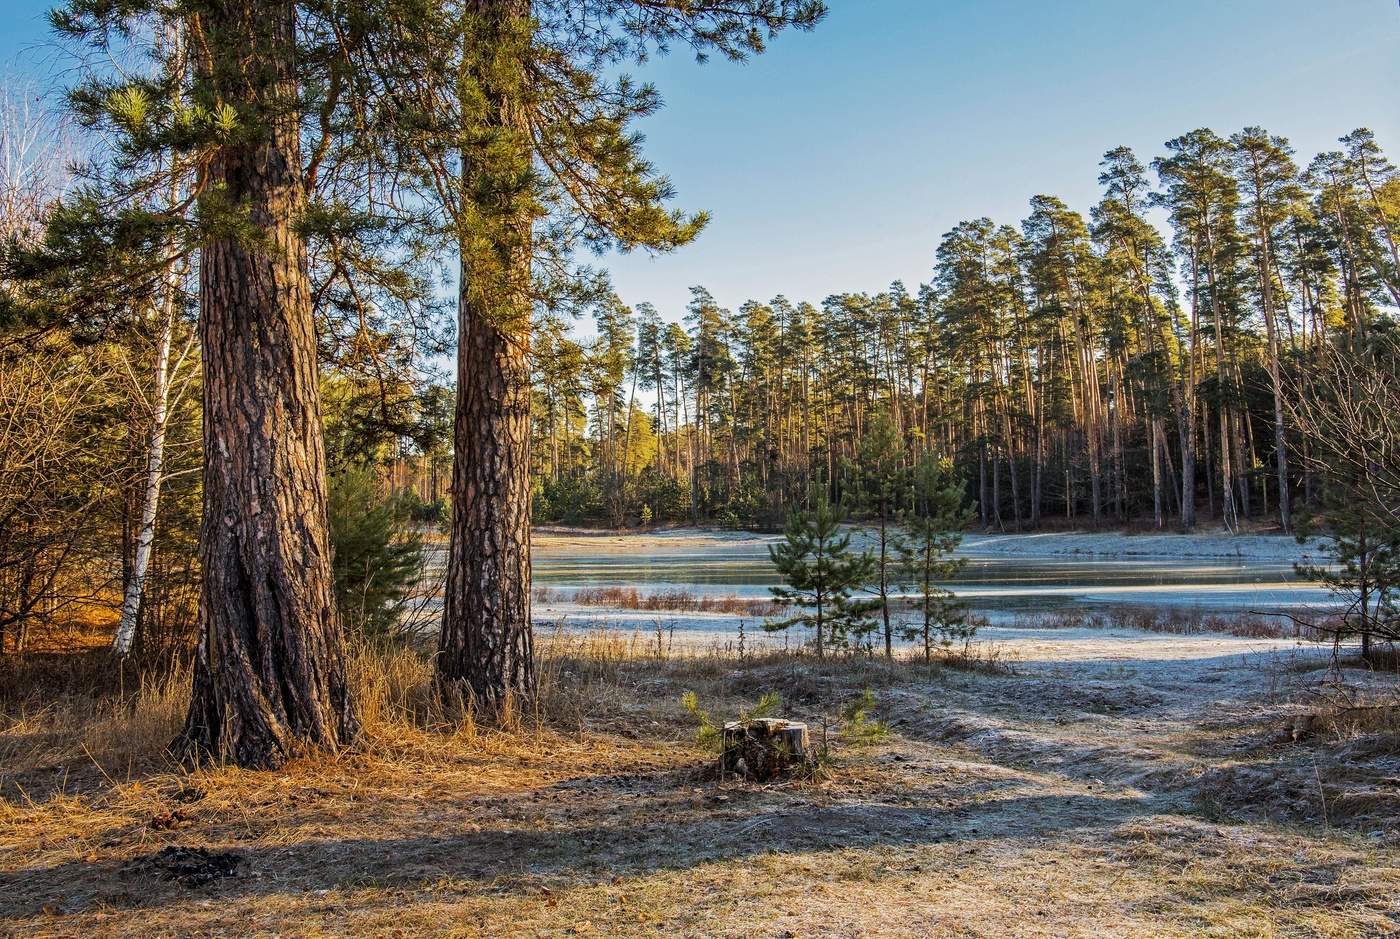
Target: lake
[{"x": 1003, "y": 575}]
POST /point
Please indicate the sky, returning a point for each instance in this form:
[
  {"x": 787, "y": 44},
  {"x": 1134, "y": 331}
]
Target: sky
[{"x": 834, "y": 162}]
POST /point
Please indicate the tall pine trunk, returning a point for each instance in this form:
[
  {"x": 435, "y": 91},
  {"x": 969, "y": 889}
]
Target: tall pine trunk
[
  {"x": 1266, "y": 296},
  {"x": 485, "y": 648},
  {"x": 269, "y": 674}
]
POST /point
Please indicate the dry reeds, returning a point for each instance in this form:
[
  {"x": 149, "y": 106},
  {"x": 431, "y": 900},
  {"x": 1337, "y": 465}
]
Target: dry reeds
[
  {"x": 115, "y": 729},
  {"x": 1180, "y": 621},
  {"x": 675, "y": 600}
]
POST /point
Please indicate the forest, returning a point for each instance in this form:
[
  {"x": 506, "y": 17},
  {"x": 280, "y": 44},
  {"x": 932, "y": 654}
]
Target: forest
[
  {"x": 311, "y": 361},
  {"x": 1076, "y": 371}
]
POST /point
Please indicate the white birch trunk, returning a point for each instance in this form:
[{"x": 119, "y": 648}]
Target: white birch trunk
[
  {"x": 155, "y": 464},
  {"x": 160, "y": 412}
]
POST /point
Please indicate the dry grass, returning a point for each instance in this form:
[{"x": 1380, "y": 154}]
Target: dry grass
[
  {"x": 592, "y": 812},
  {"x": 118, "y": 732},
  {"x": 1170, "y": 620},
  {"x": 1347, "y": 716},
  {"x": 675, "y": 600}
]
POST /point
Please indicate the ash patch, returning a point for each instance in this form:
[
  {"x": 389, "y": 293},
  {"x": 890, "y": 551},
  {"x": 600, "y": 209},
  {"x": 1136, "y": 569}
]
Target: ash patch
[{"x": 189, "y": 867}]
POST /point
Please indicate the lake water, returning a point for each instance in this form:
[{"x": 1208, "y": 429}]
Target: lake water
[{"x": 990, "y": 583}]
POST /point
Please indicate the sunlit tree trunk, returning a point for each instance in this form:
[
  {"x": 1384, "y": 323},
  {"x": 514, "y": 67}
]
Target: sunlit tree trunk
[
  {"x": 485, "y": 647},
  {"x": 155, "y": 468},
  {"x": 269, "y": 674}
]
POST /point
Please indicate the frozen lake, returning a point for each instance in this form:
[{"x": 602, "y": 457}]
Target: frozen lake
[{"x": 1004, "y": 574}]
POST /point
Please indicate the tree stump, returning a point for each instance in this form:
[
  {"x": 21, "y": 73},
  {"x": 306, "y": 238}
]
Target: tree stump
[{"x": 764, "y": 748}]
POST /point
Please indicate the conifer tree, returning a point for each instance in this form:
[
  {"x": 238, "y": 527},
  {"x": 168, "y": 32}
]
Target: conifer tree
[
  {"x": 1203, "y": 199},
  {"x": 881, "y": 483},
  {"x": 226, "y": 134},
  {"x": 270, "y": 673},
  {"x": 932, "y": 530},
  {"x": 542, "y": 139},
  {"x": 1135, "y": 256},
  {"x": 821, "y": 572},
  {"x": 1268, "y": 182}
]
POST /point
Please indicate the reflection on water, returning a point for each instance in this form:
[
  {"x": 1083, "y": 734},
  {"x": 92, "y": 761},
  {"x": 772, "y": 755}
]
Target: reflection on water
[{"x": 989, "y": 583}]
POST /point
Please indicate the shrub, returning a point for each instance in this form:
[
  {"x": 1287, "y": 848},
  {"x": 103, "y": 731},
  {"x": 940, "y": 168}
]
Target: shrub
[{"x": 378, "y": 555}]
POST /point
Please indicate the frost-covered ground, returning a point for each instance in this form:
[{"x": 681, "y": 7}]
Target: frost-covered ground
[
  {"x": 1055, "y": 782},
  {"x": 1214, "y": 545},
  {"x": 557, "y": 542},
  {"x": 1156, "y": 789}
]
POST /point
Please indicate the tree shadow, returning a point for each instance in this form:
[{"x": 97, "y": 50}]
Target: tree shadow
[{"x": 511, "y": 846}]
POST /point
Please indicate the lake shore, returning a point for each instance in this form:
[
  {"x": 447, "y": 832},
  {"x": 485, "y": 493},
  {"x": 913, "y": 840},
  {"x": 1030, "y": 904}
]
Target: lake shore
[
  {"x": 551, "y": 542},
  {"x": 1008, "y": 576}
]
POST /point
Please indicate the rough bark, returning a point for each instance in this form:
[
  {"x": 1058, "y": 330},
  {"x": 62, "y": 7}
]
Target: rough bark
[
  {"x": 764, "y": 748},
  {"x": 485, "y": 648},
  {"x": 270, "y": 671},
  {"x": 485, "y": 644}
]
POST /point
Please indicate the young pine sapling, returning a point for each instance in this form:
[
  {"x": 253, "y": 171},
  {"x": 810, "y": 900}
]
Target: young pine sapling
[
  {"x": 931, "y": 532},
  {"x": 820, "y": 572}
]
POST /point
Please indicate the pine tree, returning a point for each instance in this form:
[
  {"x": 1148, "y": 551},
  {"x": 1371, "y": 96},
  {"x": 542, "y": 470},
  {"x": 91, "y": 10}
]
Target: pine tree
[
  {"x": 821, "y": 573},
  {"x": 1135, "y": 257},
  {"x": 880, "y": 485},
  {"x": 378, "y": 555},
  {"x": 543, "y": 143},
  {"x": 270, "y": 673},
  {"x": 207, "y": 162},
  {"x": 932, "y": 530},
  {"x": 1349, "y": 414},
  {"x": 1268, "y": 182},
  {"x": 1203, "y": 199},
  {"x": 1377, "y": 183}
]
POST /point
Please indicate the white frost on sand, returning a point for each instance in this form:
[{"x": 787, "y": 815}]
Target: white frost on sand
[
  {"x": 1282, "y": 548},
  {"x": 564, "y": 542},
  {"x": 1024, "y": 646}
]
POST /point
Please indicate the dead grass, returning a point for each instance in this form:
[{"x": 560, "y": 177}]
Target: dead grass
[
  {"x": 117, "y": 732},
  {"x": 1348, "y": 716},
  {"x": 675, "y": 600},
  {"x": 591, "y": 811},
  {"x": 1173, "y": 621}
]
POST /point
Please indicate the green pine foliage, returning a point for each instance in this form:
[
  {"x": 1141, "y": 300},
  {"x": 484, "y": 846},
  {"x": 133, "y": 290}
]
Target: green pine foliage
[
  {"x": 820, "y": 573},
  {"x": 858, "y": 727},
  {"x": 378, "y": 556},
  {"x": 930, "y": 532},
  {"x": 1351, "y": 422},
  {"x": 709, "y": 735},
  {"x": 881, "y": 481}
]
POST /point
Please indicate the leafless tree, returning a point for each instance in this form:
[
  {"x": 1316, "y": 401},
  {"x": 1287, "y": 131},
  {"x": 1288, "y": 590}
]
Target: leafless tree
[
  {"x": 34, "y": 160},
  {"x": 1347, "y": 409}
]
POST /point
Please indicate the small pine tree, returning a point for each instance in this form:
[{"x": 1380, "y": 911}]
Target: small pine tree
[
  {"x": 1363, "y": 550},
  {"x": 857, "y": 728},
  {"x": 820, "y": 572},
  {"x": 931, "y": 533},
  {"x": 881, "y": 484},
  {"x": 376, "y": 555},
  {"x": 1346, "y": 414}
]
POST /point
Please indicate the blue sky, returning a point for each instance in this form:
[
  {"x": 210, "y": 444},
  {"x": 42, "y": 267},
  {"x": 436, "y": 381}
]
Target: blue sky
[{"x": 835, "y": 161}]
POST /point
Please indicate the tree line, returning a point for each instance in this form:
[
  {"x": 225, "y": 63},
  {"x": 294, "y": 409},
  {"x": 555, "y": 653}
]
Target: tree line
[{"x": 1091, "y": 370}]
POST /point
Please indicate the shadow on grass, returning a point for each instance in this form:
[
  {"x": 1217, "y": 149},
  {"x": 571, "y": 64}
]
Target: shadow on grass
[{"x": 618, "y": 826}]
